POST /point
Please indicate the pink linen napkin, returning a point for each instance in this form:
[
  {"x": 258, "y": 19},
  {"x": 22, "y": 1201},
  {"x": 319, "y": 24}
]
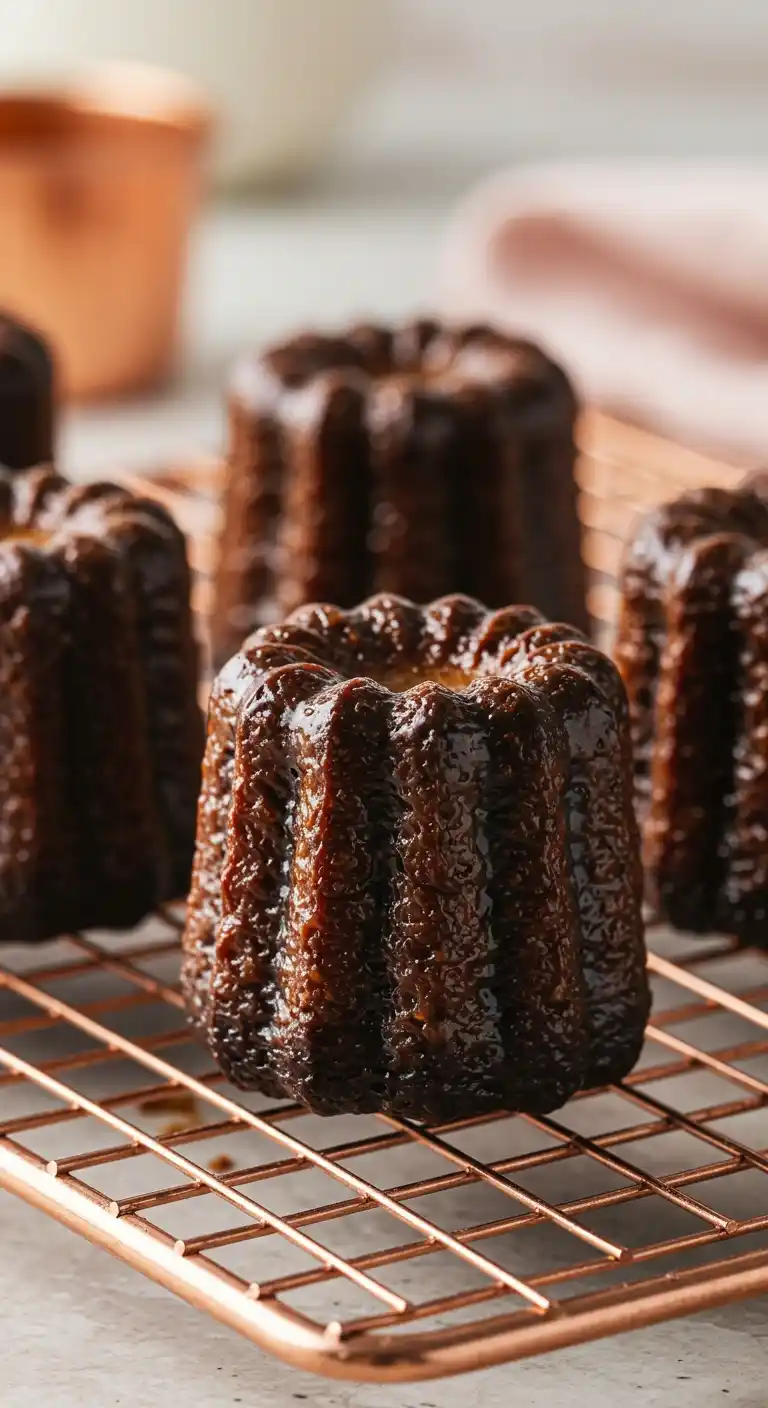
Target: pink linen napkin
[{"x": 649, "y": 283}]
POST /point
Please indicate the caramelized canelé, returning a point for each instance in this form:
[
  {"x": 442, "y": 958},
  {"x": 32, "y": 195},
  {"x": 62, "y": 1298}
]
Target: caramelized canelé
[
  {"x": 692, "y": 647},
  {"x": 100, "y": 734},
  {"x": 417, "y": 883},
  {"x": 418, "y": 460}
]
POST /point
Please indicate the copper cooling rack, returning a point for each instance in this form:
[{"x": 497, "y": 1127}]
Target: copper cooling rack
[
  {"x": 372, "y": 1248},
  {"x": 623, "y": 472}
]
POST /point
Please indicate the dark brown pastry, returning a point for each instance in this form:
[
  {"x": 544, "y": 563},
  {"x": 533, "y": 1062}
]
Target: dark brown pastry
[
  {"x": 100, "y": 734},
  {"x": 26, "y": 397},
  {"x": 692, "y": 647},
  {"x": 417, "y": 883},
  {"x": 419, "y": 461}
]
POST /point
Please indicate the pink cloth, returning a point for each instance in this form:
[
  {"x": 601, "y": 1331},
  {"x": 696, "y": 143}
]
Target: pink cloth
[{"x": 649, "y": 283}]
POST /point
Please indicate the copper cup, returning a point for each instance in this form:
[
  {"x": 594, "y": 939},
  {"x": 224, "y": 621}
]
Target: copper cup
[{"x": 99, "y": 183}]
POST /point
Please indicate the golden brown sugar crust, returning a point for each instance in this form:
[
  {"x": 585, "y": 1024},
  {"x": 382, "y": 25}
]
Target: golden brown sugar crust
[
  {"x": 691, "y": 647},
  {"x": 417, "y": 881},
  {"x": 415, "y": 461},
  {"x": 100, "y": 732}
]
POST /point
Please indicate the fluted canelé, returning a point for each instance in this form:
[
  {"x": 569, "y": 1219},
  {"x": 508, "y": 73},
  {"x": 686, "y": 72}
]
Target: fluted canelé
[
  {"x": 417, "y": 882},
  {"x": 692, "y": 647},
  {"x": 419, "y": 460},
  {"x": 101, "y": 737}
]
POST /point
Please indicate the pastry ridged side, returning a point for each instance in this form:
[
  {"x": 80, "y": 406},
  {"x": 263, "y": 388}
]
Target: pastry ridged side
[{"x": 37, "y": 844}]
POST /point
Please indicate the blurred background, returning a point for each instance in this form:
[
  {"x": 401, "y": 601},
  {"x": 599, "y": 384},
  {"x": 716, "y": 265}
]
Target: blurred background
[{"x": 349, "y": 132}]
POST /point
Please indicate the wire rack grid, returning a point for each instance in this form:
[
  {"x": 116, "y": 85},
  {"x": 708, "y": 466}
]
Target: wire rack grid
[
  {"x": 374, "y": 1248},
  {"x": 371, "y": 1248}
]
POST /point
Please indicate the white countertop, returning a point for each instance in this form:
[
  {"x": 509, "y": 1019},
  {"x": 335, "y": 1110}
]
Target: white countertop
[{"x": 77, "y": 1329}]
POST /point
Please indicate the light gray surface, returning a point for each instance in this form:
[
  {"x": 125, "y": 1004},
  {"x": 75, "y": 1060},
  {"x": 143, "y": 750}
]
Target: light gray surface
[
  {"x": 82, "y": 1331},
  {"x": 77, "y": 1329}
]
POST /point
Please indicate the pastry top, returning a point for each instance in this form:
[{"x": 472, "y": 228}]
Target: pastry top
[
  {"x": 665, "y": 533},
  {"x": 451, "y": 643},
  {"x": 425, "y": 356},
  {"x": 42, "y": 510}
]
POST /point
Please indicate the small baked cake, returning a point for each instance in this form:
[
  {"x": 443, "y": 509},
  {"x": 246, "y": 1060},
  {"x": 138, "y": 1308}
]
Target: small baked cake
[
  {"x": 26, "y": 397},
  {"x": 100, "y": 733},
  {"x": 692, "y": 647},
  {"x": 419, "y": 460},
  {"x": 417, "y": 883}
]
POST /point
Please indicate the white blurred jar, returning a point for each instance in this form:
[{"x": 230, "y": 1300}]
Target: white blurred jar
[{"x": 281, "y": 73}]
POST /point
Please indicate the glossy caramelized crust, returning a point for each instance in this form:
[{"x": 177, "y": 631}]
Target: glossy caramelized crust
[
  {"x": 693, "y": 650},
  {"x": 100, "y": 734},
  {"x": 26, "y": 397},
  {"x": 417, "y": 882},
  {"x": 416, "y": 461}
]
